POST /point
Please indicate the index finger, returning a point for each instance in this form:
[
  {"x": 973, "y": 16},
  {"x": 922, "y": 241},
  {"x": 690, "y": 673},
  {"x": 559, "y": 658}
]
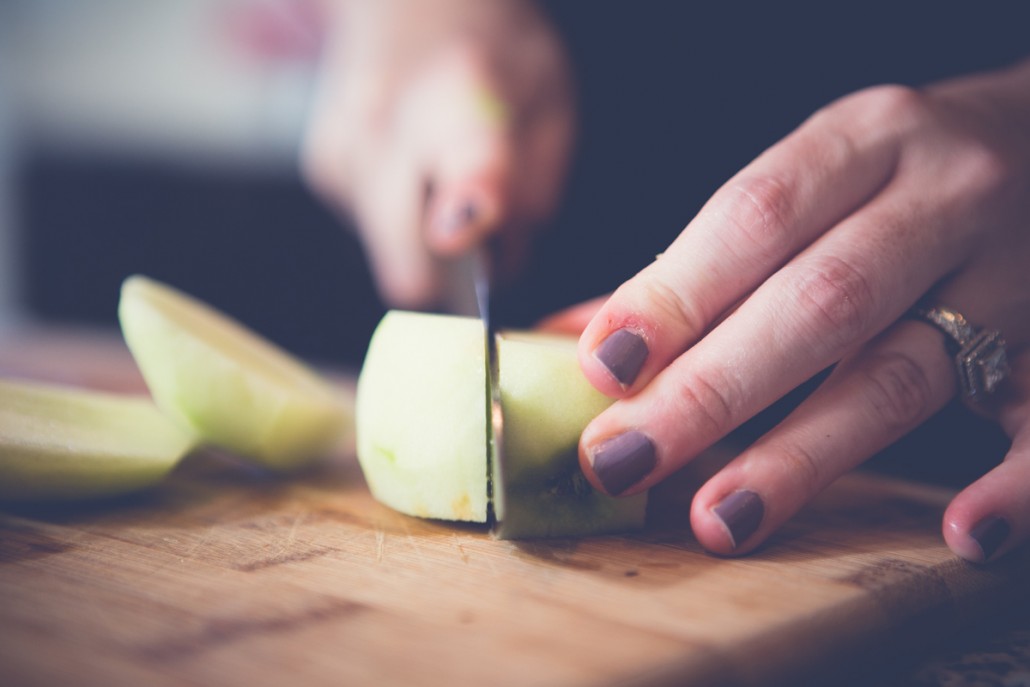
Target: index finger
[{"x": 753, "y": 225}]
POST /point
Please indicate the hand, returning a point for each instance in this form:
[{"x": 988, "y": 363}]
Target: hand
[
  {"x": 809, "y": 258},
  {"x": 438, "y": 124}
]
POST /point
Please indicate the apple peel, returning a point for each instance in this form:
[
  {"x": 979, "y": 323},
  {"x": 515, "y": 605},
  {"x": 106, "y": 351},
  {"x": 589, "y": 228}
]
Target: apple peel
[
  {"x": 225, "y": 383},
  {"x": 58, "y": 443}
]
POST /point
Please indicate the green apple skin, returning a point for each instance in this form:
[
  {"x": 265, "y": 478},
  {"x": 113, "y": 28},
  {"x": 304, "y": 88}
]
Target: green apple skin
[
  {"x": 225, "y": 383},
  {"x": 62, "y": 444},
  {"x": 421, "y": 416},
  {"x": 546, "y": 403}
]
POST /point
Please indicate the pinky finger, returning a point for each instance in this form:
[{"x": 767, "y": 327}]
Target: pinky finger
[{"x": 992, "y": 516}]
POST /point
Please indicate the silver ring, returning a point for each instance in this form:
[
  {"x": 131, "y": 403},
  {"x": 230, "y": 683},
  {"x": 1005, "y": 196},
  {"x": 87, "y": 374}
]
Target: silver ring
[{"x": 979, "y": 354}]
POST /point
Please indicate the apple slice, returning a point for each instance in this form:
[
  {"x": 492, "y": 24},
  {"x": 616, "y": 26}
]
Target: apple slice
[
  {"x": 546, "y": 403},
  {"x": 424, "y": 441},
  {"x": 60, "y": 443},
  {"x": 225, "y": 383},
  {"x": 421, "y": 416}
]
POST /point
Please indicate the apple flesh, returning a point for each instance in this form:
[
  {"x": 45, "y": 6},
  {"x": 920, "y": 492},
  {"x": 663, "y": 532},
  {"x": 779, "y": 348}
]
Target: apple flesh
[
  {"x": 546, "y": 402},
  {"x": 421, "y": 416},
  {"x": 226, "y": 384},
  {"x": 59, "y": 443},
  {"x": 424, "y": 438}
]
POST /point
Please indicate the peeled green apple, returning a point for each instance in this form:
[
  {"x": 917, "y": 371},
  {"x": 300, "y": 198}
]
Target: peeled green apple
[
  {"x": 225, "y": 383},
  {"x": 424, "y": 436},
  {"x": 59, "y": 443},
  {"x": 421, "y": 417}
]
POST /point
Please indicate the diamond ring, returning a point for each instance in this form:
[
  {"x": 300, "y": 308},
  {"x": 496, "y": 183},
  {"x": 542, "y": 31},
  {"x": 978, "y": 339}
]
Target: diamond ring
[{"x": 979, "y": 354}]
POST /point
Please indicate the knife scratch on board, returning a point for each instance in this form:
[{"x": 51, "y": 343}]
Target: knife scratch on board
[
  {"x": 461, "y": 550},
  {"x": 288, "y": 541},
  {"x": 199, "y": 542},
  {"x": 291, "y": 538},
  {"x": 380, "y": 545},
  {"x": 413, "y": 541}
]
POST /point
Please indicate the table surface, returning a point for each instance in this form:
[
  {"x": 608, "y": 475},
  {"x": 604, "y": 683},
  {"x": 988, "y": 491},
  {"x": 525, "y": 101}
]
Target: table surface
[{"x": 228, "y": 575}]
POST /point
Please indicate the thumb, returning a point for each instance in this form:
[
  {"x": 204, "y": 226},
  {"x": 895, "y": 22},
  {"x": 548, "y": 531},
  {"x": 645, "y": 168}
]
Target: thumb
[
  {"x": 458, "y": 119},
  {"x": 471, "y": 176}
]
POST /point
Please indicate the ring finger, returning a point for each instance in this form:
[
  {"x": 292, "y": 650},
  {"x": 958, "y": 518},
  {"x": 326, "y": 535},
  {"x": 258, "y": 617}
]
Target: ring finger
[
  {"x": 872, "y": 398},
  {"x": 992, "y": 515}
]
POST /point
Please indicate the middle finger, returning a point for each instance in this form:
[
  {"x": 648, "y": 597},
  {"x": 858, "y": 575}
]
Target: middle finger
[{"x": 841, "y": 291}]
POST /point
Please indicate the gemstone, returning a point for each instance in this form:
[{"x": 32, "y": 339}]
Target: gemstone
[{"x": 982, "y": 365}]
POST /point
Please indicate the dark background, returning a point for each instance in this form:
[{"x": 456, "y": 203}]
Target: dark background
[{"x": 674, "y": 98}]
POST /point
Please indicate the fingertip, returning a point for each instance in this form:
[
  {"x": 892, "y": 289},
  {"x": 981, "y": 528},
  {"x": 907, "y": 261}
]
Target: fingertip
[
  {"x": 622, "y": 354},
  {"x": 984, "y": 522},
  {"x": 613, "y": 362},
  {"x": 709, "y": 531},
  {"x": 463, "y": 220},
  {"x": 975, "y": 536},
  {"x": 957, "y": 538},
  {"x": 586, "y": 466},
  {"x": 727, "y": 524},
  {"x": 472, "y": 178},
  {"x": 619, "y": 349},
  {"x": 612, "y": 349},
  {"x": 452, "y": 228},
  {"x": 620, "y": 464},
  {"x": 990, "y": 534}
]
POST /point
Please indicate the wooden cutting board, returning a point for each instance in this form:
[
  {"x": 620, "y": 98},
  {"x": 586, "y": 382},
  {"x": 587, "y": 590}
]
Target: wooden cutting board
[{"x": 228, "y": 576}]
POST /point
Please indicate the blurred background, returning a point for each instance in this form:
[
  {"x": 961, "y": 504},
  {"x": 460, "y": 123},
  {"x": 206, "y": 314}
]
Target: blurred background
[{"x": 160, "y": 137}]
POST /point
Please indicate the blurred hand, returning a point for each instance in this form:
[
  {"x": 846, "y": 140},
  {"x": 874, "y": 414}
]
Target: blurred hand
[
  {"x": 439, "y": 124},
  {"x": 809, "y": 258}
]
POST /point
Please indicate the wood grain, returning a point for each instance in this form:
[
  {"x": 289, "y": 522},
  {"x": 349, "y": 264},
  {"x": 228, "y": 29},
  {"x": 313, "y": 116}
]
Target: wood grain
[{"x": 227, "y": 575}]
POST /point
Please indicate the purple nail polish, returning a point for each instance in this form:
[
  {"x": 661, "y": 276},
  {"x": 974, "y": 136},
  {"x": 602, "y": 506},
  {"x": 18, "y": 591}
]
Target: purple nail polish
[
  {"x": 623, "y": 353},
  {"x": 989, "y": 534},
  {"x": 741, "y": 512},
  {"x": 459, "y": 219},
  {"x": 623, "y": 460}
]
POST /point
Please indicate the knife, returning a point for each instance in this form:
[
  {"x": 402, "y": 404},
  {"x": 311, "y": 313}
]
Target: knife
[{"x": 482, "y": 279}]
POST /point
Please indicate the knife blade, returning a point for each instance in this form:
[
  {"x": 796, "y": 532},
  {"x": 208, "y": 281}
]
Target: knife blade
[{"x": 482, "y": 277}]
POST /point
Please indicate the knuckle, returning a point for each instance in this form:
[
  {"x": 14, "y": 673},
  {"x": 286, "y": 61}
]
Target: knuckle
[
  {"x": 708, "y": 403},
  {"x": 994, "y": 174},
  {"x": 804, "y": 468},
  {"x": 762, "y": 210},
  {"x": 898, "y": 391},
  {"x": 668, "y": 305},
  {"x": 891, "y": 105},
  {"x": 883, "y": 109},
  {"x": 837, "y": 300}
]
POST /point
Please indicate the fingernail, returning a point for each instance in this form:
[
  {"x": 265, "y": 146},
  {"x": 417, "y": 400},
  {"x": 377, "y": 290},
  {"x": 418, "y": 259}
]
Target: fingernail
[
  {"x": 457, "y": 219},
  {"x": 623, "y": 353},
  {"x": 622, "y": 461},
  {"x": 741, "y": 512},
  {"x": 989, "y": 534}
]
